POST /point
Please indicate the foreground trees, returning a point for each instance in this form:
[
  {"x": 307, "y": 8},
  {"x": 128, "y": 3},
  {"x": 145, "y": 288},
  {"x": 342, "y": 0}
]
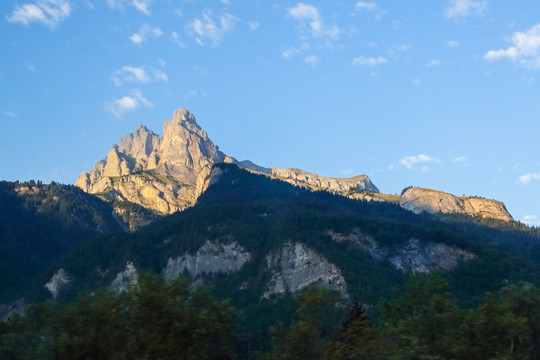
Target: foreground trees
[
  {"x": 156, "y": 320},
  {"x": 153, "y": 321}
]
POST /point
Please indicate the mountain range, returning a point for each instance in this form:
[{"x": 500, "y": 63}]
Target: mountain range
[{"x": 176, "y": 205}]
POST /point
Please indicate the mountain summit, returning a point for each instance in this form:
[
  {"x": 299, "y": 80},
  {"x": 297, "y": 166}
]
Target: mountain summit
[{"x": 167, "y": 173}]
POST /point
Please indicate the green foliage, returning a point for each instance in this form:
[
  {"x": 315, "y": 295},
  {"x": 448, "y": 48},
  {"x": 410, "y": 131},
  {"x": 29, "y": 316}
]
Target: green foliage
[{"x": 153, "y": 321}]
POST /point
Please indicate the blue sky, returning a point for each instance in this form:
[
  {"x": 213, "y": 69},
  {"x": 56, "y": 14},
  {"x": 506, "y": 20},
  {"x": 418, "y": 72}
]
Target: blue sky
[{"x": 439, "y": 94}]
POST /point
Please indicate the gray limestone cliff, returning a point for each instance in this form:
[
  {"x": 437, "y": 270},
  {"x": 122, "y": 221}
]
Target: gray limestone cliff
[
  {"x": 296, "y": 266},
  {"x": 412, "y": 256},
  {"x": 58, "y": 281},
  {"x": 420, "y": 200},
  {"x": 126, "y": 279},
  {"x": 211, "y": 258}
]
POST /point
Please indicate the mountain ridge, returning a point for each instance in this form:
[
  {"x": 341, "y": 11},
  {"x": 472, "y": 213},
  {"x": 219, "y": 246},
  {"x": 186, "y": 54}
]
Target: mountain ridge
[{"x": 168, "y": 173}]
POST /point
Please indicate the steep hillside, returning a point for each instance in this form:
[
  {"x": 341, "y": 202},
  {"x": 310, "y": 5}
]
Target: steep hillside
[
  {"x": 261, "y": 237},
  {"x": 39, "y": 223}
]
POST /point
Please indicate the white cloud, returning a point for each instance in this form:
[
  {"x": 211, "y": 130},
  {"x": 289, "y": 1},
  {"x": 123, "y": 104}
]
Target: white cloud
[
  {"x": 131, "y": 74},
  {"x": 453, "y": 43},
  {"x": 10, "y": 114},
  {"x": 364, "y": 5},
  {"x": 531, "y": 220},
  {"x": 311, "y": 60},
  {"x": 525, "y": 48},
  {"x": 465, "y": 8},
  {"x": 253, "y": 25},
  {"x": 369, "y": 6},
  {"x": 289, "y": 53},
  {"x": 144, "y": 33},
  {"x": 30, "y": 67},
  {"x": 369, "y": 61},
  {"x": 416, "y": 82},
  {"x": 48, "y": 12},
  {"x": 434, "y": 62},
  {"x": 127, "y": 103},
  {"x": 317, "y": 27},
  {"x": 143, "y": 6},
  {"x": 410, "y": 161},
  {"x": 207, "y": 28},
  {"x": 459, "y": 159},
  {"x": 527, "y": 178},
  {"x": 177, "y": 40}
]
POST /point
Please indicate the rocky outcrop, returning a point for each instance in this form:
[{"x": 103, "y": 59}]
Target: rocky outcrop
[
  {"x": 159, "y": 173},
  {"x": 420, "y": 200},
  {"x": 17, "y": 307},
  {"x": 126, "y": 279},
  {"x": 413, "y": 256},
  {"x": 296, "y": 266},
  {"x": 58, "y": 281},
  {"x": 211, "y": 258},
  {"x": 168, "y": 173},
  {"x": 344, "y": 186}
]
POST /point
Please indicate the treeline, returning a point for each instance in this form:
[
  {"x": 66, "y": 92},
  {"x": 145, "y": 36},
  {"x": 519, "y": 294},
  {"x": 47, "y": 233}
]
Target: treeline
[{"x": 182, "y": 321}]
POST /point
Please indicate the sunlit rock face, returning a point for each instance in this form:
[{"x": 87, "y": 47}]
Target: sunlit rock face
[
  {"x": 168, "y": 173},
  {"x": 344, "y": 186},
  {"x": 411, "y": 256},
  {"x": 157, "y": 172},
  {"x": 211, "y": 258},
  {"x": 420, "y": 200},
  {"x": 296, "y": 266}
]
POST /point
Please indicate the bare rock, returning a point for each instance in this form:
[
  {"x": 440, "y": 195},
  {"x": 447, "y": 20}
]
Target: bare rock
[
  {"x": 420, "y": 200},
  {"x": 296, "y": 266},
  {"x": 211, "y": 258},
  {"x": 58, "y": 281}
]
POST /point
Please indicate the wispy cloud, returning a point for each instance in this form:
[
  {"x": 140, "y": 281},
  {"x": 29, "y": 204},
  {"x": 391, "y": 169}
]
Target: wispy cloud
[
  {"x": 369, "y": 7},
  {"x": 433, "y": 62},
  {"x": 144, "y": 33},
  {"x": 369, "y": 61},
  {"x": 10, "y": 114},
  {"x": 527, "y": 178},
  {"x": 127, "y": 103},
  {"x": 531, "y": 219},
  {"x": 465, "y": 8},
  {"x": 253, "y": 25},
  {"x": 142, "y": 6},
  {"x": 410, "y": 161},
  {"x": 208, "y": 29},
  {"x": 132, "y": 74},
  {"x": 311, "y": 60},
  {"x": 459, "y": 159},
  {"x": 525, "y": 49},
  {"x": 453, "y": 43},
  {"x": 316, "y": 26},
  {"x": 48, "y": 12}
]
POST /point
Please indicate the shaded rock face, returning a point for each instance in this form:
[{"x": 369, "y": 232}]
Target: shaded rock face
[
  {"x": 344, "y": 186},
  {"x": 211, "y": 258},
  {"x": 420, "y": 200},
  {"x": 159, "y": 173},
  {"x": 126, "y": 279},
  {"x": 296, "y": 266},
  {"x": 412, "y": 256},
  {"x": 58, "y": 281},
  {"x": 15, "y": 308}
]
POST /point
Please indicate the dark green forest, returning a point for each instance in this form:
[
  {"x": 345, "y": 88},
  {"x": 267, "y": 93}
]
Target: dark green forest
[
  {"x": 486, "y": 308},
  {"x": 156, "y": 320}
]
